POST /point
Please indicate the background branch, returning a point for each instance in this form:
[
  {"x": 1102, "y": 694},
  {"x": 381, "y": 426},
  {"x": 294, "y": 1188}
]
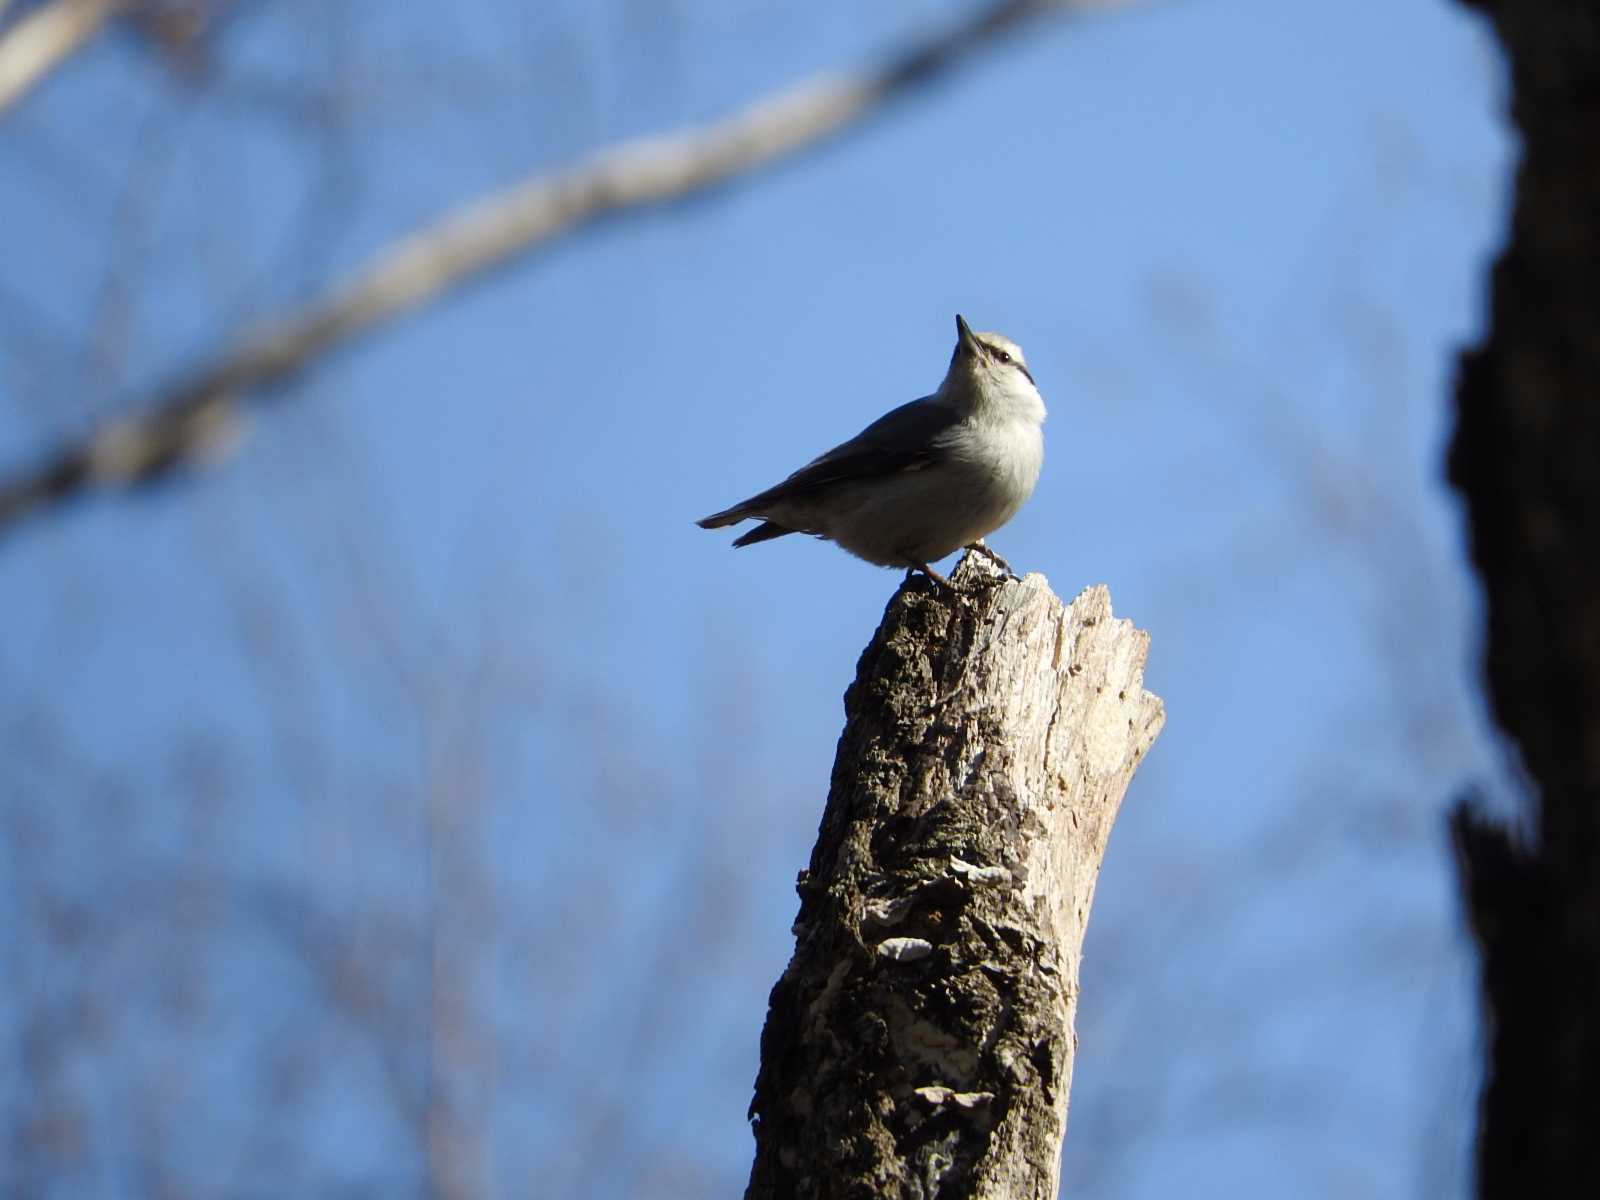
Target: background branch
[
  {"x": 44, "y": 39},
  {"x": 178, "y": 425}
]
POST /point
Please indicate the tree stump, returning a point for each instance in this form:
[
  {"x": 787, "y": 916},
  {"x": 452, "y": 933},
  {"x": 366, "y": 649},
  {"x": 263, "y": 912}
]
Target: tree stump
[{"x": 920, "y": 1043}]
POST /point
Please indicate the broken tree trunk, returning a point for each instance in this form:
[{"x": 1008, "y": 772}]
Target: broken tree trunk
[{"x": 920, "y": 1043}]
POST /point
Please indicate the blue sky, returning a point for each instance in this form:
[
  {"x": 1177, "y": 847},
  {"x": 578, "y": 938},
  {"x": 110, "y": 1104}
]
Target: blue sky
[{"x": 439, "y": 648}]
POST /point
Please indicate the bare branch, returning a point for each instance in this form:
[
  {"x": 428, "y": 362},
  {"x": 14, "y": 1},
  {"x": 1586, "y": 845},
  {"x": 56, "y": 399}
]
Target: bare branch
[
  {"x": 177, "y": 425},
  {"x": 45, "y": 38}
]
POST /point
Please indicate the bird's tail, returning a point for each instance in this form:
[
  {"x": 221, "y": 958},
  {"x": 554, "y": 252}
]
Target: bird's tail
[
  {"x": 763, "y": 532},
  {"x": 728, "y": 516}
]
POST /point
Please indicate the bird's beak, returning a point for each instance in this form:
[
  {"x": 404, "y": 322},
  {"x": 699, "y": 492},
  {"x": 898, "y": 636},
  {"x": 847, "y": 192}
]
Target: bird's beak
[{"x": 965, "y": 338}]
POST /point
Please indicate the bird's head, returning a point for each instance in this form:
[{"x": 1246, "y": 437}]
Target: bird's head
[{"x": 988, "y": 375}]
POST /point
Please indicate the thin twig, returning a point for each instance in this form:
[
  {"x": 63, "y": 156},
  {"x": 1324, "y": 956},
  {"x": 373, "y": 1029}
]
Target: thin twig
[{"x": 182, "y": 423}]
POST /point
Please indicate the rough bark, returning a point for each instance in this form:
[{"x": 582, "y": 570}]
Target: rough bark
[
  {"x": 920, "y": 1043},
  {"x": 1526, "y": 458}
]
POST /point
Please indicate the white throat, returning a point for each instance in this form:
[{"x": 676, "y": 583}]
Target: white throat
[{"x": 999, "y": 396}]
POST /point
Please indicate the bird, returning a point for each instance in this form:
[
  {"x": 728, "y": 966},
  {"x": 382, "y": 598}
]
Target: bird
[{"x": 925, "y": 479}]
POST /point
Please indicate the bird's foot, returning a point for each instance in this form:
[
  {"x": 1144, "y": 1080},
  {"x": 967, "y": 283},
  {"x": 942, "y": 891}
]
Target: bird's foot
[
  {"x": 984, "y": 550},
  {"x": 938, "y": 579}
]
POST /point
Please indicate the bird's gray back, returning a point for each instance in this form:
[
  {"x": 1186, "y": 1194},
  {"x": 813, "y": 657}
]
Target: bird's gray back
[{"x": 910, "y": 437}]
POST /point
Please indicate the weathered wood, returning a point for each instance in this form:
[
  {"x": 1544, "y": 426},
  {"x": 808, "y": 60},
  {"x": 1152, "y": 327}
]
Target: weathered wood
[{"x": 920, "y": 1043}]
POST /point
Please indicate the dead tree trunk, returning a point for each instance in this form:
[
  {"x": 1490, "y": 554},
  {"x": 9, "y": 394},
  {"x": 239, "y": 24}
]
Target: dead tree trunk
[
  {"x": 1525, "y": 458},
  {"x": 920, "y": 1043}
]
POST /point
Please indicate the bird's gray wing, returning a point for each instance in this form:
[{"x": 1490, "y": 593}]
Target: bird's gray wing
[{"x": 908, "y": 438}]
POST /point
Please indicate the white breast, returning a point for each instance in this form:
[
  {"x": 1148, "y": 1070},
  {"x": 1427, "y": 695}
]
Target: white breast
[{"x": 922, "y": 516}]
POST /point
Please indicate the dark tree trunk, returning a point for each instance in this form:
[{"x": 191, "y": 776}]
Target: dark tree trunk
[
  {"x": 1526, "y": 458},
  {"x": 920, "y": 1043}
]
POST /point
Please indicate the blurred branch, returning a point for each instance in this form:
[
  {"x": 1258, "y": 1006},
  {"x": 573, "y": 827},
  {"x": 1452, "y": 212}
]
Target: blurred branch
[
  {"x": 45, "y": 38},
  {"x": 179, "y": 425}
]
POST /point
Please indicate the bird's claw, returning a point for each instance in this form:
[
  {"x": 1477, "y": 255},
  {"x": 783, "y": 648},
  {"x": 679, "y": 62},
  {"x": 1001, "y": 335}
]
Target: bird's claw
[
  {"x": 939, "y": 580},
  {"x": 979, "y": 547}
]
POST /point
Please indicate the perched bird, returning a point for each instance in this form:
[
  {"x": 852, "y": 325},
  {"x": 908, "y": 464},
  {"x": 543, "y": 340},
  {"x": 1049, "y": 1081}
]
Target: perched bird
[{"x": 923, "y": 480}]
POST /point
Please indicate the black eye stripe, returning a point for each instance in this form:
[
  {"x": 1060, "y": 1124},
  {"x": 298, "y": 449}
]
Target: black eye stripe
[{"x": 1005, "y": 357}]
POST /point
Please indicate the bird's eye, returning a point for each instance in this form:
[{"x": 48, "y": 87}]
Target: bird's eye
[{"x": 1002, "y": 356}]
